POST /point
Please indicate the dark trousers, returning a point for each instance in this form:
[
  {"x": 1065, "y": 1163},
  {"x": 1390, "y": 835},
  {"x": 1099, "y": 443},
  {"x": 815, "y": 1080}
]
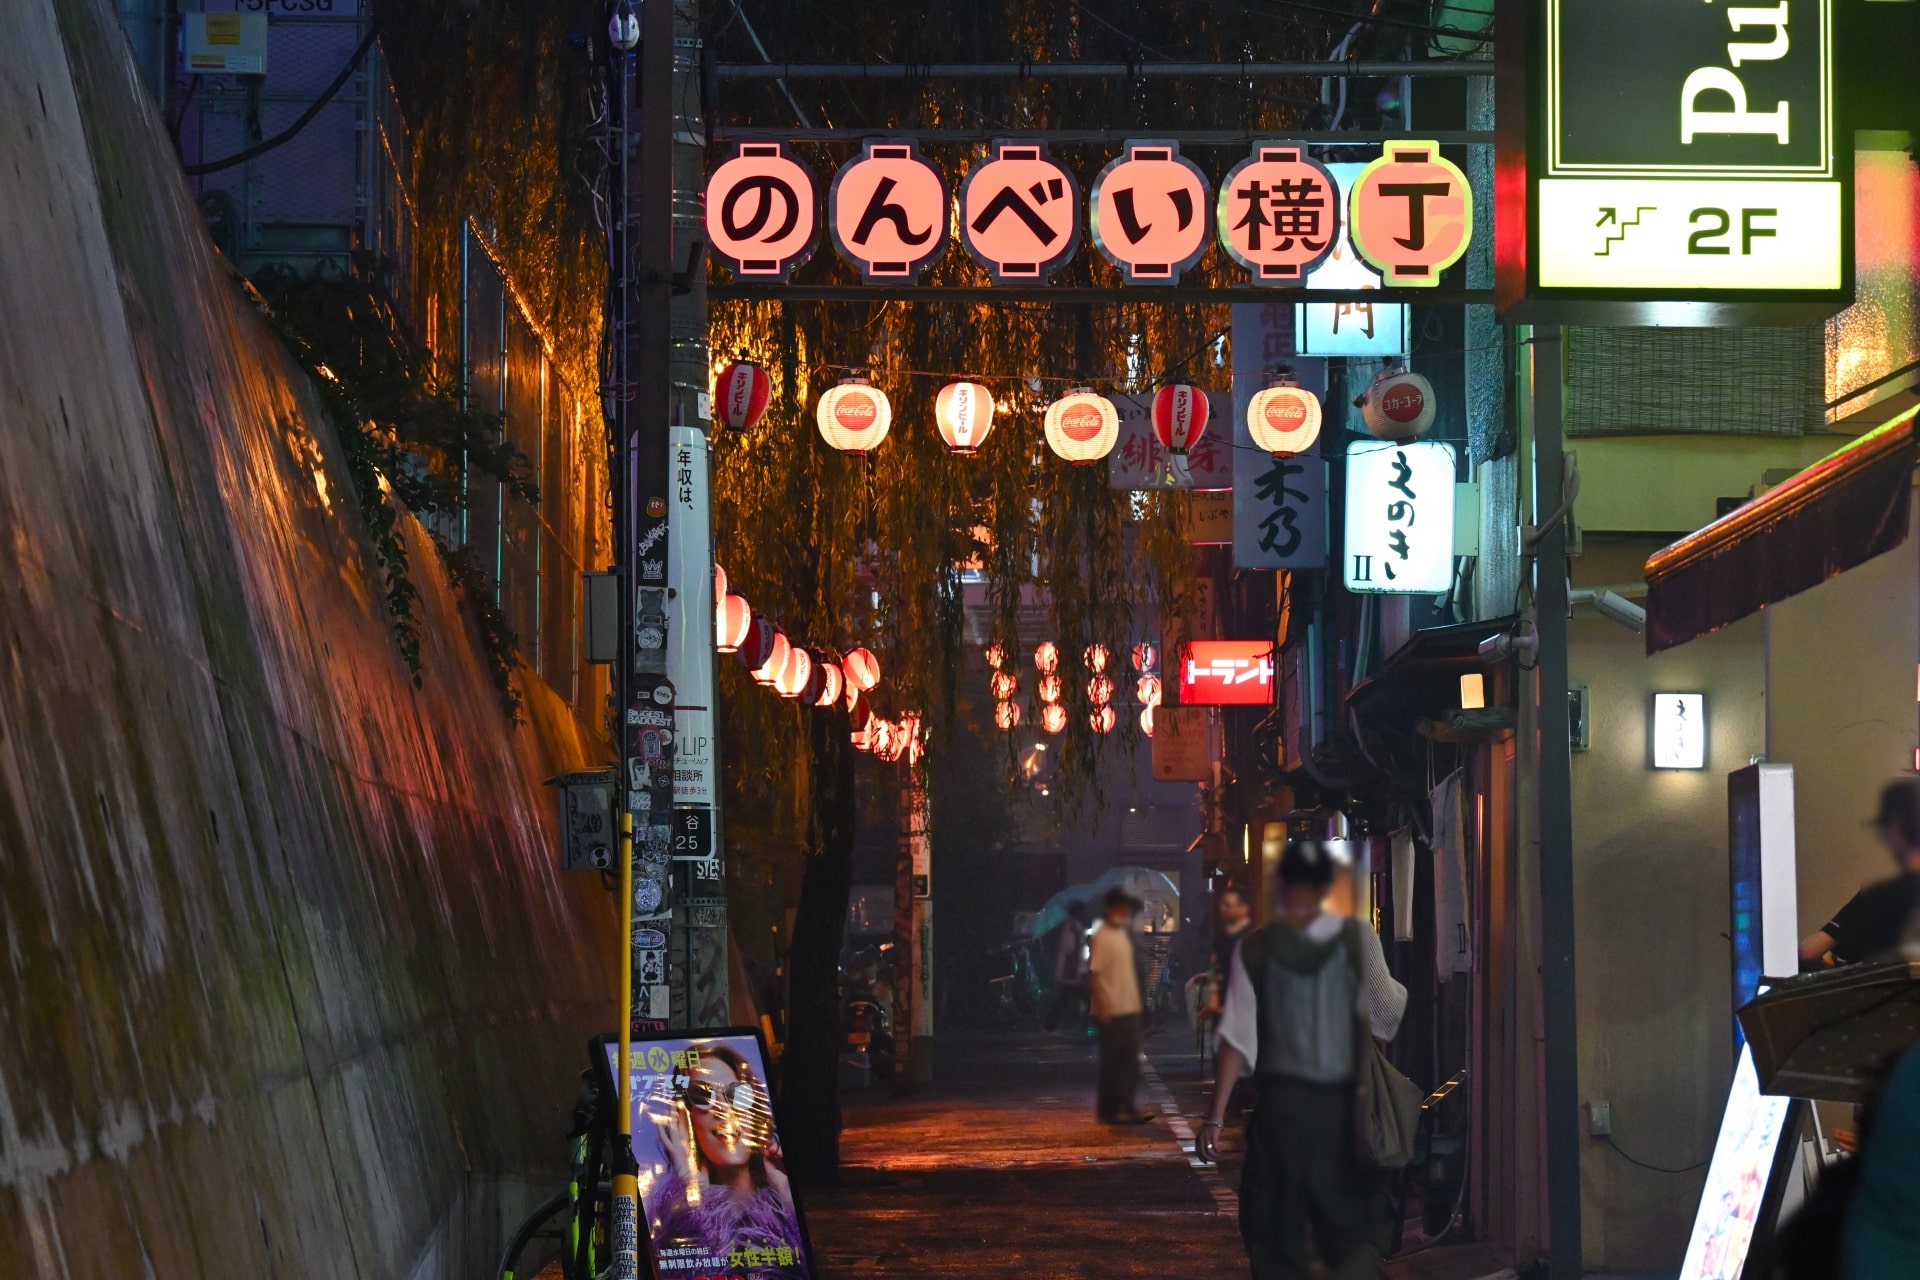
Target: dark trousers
[
  {"x": 1119, "y": 1065},
  {"x": 1303, "y": 1191},
  {"x": 1069, "y": 1007}
]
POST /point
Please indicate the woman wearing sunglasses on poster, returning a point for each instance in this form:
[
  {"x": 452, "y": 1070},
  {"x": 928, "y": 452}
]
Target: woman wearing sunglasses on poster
[{"x": 723, "y": 1196}]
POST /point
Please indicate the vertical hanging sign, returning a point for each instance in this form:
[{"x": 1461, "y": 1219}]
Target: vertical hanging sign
[
  {"x": 1399, "y": 527},
  {"x": 1279, "y": 504}
]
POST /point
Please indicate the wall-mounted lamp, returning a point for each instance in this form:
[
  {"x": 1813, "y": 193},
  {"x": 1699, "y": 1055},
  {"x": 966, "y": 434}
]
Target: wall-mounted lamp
[
  {"x": 1679, "y": 730},
  {"x": 1473, "y": 691}
]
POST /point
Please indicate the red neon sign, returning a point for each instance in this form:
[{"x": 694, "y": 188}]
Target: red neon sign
[{"x": 1227, "y": 673}]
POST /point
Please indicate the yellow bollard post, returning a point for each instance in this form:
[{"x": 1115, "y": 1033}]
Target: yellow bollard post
[{"x": 626, "y": 1182}]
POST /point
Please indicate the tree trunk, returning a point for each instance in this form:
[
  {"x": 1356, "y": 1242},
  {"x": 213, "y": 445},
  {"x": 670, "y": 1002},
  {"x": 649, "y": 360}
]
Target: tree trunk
[{"x": 810, "y": 1110}]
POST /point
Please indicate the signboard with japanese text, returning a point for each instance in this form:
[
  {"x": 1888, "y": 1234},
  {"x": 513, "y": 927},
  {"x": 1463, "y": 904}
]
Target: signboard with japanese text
[
  {"x": 887, "y": 210},
  {"x": 1148, "y": 213},
  {"x": 690, "y": 628},
  {"x": 763, "y": 212},
  {"x": 1182, "y": 742},
  {"x": 1221, "y": 673},
  {"x": 1139, "y": 461},
  {"x": 1279, "y": 214},
  {"x": 1279, "y": 504},
  {"x": 1685, "y": 168},
  {"x": 1347, "y": 328},
  {"x": 1399, "y": 517},
  {"x": 716, "y": 1199},
  {"x": 1210, "y": 518},
  {"x": 1020, "y": 213},
  {"x": 1410, "y": 213}
]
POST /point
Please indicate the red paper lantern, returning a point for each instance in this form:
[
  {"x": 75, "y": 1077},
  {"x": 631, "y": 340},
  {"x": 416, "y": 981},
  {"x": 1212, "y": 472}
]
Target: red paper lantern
[
  {"x": 1003, "y": 685},
  {"x": 768, "y": 672},
  {"x": 854, "y": 416},
  {"x": 1145, "y": 657},
  {"x": 862, "y": 722},
  {"x": 1146, "y": 691},
  {"x": 1049, "y": 688},
  {"x": 791, "y": 680},
  {"x": 996, "y": 655},
  {"x": 1082, "y": 427},
  {"x": 719, "y": 582},
  {"x": 1099, "y": 691},
  {"x": 1146, "y": 720},
  {"x": 964, "y": 413},
  {"x": 862, "y": 670},
  {"x": 756, "y": 646},
  {"x": 1095, "y": 657},
  {"x": 742, "y": 394},
  {"x": 1102, "y": 720},
  {"x": 1180, "y": 415},
  {"x": 732, "y": 620},
  {"x": 880, "y": 734},
  {"x": 1053, "y": 717},
  {"x": 831, "y": 681},
  {"x": 1284, "y": 419},
  {"x": 1047, "y": 656},
  {"x": 1007, "y": 716},
  {"x": 850, "y": 691}
]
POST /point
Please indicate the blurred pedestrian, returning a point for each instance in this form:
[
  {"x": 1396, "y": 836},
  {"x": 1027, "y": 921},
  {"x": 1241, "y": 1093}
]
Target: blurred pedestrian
[
  {"x": 1070, "y": 969},
  {"x": 1234, "y": 915},
  {"x": 1878, "y": 918},
  {"x": 1114, "y": 989},
  {"x": 1304, "y": 993}
]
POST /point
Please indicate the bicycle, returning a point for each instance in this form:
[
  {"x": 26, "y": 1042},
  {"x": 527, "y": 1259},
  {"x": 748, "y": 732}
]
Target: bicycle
[{"x": 574, "y": 1217}]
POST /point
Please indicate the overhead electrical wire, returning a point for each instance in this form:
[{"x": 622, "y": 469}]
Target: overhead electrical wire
[{"x": 306, "y": 117}]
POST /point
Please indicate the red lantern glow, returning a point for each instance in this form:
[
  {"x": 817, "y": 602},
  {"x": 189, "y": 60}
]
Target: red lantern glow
[
  {"x": 756, "y": 646},
  {"x": 1049, "y": 688},
  {"x": 791, "y": 680},
  {"x": 741, "y": 395},
  {"x": 964, "y": 413},
  {"x": 1145, "y": 657},
  {"x": 1082, "y": 427},
  {"x": 1146, "y": 721},
  {"x": 719, "y": 582},
  {"x": 1099, "y": 691},
  {"x": 1053, "y": 717},
  {"x": 1102, "y": 720},
  {"x": 863, "y": 721},
  {"x": 1398, "y": 406},
  {"x": 832, "y": 682},
  {"x": 1003, "y": 685},
  {"x": 1095, "y": 657},
  {"x": 769, "y": 671},
  {"x": 1180, "y": 414},
  {"x": 996, "y": 655},
  {"x": 1047, "y": 656},
  {"x": 851, "y": 692},
  {"x": 732, "y": 620},
  {"x": 1146, "y": 691},
  {"x": 862, "y": 670},
  {"x": 1007, "y": 716}
]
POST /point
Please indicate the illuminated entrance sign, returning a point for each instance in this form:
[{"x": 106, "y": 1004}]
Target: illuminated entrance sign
[
  {"x": 1279, "y": 214},
  {"x": 1020, "y": 213},
  {"x": 1683, "y": 168},
  {"x": 1226, "y": 673},
  {"x": 763, "y": 212},
  {"x": 1148, "y": 213},
  {"x": 1411, "y": 213},
  {"x": 1399, "y": 528},
  {"x": 887, "y": 210}
]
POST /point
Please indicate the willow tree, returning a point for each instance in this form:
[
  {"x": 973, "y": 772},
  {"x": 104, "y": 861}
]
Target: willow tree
[{"x": 870, "y": 550}]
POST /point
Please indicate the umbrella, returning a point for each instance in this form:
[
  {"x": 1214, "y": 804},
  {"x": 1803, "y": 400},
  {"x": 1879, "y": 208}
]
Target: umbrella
[
  {"x": 1144, "y": 883},
  {"x": 1828, "y": 1036}
]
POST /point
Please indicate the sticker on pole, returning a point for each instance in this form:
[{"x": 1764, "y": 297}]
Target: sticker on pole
[
  {"x": 763, "y": 215},
  {"x": 887, "y": 210},
  {"x": 1279, "y": 214},
  {"x": 1148, "y": 213},
  {"x": 1411, "y": 213},
  {"x": 1020, "y": 213}
]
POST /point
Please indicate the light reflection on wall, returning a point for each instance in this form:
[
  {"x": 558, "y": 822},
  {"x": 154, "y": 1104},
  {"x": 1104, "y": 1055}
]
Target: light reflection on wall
[{"x": 1876, "y": 335}]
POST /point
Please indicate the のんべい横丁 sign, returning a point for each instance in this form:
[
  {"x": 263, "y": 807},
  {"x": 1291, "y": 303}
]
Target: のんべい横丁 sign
[{"x": 1683, "y": 168}]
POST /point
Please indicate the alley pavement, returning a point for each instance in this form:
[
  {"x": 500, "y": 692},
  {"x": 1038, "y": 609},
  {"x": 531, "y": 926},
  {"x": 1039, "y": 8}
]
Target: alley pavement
[{"x": 999, "y": 1169}]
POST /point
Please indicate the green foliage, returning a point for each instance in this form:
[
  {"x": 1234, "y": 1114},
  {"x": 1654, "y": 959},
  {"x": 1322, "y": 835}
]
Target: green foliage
[{"x": 409, "y": 442}]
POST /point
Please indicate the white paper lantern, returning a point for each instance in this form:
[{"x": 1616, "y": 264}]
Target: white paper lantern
[
  {"x": 854, "y": 416},
  {"x": 1082, "y": 427},
  {"x": 1398, "y": 406},
  {"x": 1284, "y": 419}
]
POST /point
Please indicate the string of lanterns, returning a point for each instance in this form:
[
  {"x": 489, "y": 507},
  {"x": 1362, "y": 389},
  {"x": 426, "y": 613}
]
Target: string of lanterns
[
  {"x": 812, "y": 676},
  {"x": 1004, "y": 684}
]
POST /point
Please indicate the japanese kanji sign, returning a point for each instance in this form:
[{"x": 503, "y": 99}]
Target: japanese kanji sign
[
  {"x": 1279, "y": 504},
  {"x": 1139, "y": 462},
  {"x": 1399, "y": 526},
  {"x": 763, "y": 212},
  {"x": 1020, "y": 213},
  {"x": 887, "y": 210},
  {"x": 1148, "y": 213},
  {"x": 1348, "y": 328},
  {"x": 1411, "y": 213},
  {"x": 1278, "y": 214}
]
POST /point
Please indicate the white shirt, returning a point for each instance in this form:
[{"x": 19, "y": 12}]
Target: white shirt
[
  {"x": 1383, "y": 999},
  {"x": 1115, "y": 990}
]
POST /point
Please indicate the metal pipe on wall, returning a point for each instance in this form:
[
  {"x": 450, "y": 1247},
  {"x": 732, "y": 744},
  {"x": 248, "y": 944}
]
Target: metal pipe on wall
[{"x": 1436, "y": 69}]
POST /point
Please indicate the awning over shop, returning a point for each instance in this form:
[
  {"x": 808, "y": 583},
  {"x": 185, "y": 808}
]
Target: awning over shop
[{"x": 1842, "y": 511}]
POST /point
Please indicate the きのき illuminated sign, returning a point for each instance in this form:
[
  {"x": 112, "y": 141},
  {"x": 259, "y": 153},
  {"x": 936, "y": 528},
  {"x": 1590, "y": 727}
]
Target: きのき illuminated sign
[
  {"x": 1399, "y": 525},
  {"x": 887, "y": 210},
  {"x": 1279, "y": 214},
  {"x": 1148, "y": 213},
  {"x": 1226, "y": 673},
  {"x": 1411, "y": 213},
  {"x": 762, "y": 212},
  {"x": 1020, "y": 213}
]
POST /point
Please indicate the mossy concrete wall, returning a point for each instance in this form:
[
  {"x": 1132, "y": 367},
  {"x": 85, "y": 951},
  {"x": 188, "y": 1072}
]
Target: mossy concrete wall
[{"x": 290, "y": 984}]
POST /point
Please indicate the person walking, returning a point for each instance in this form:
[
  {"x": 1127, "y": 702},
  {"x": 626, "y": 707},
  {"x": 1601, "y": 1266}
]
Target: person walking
[
  {"x": 1878, "y": 918},
  {"x": 1303, "y": 994},
  {"x": 1114, "y": 989},
  {"x": 1070, "y": 968}
]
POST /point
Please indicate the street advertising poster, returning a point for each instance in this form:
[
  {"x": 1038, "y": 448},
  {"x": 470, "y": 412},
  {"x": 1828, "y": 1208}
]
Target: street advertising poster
[
  {"x": 713, "y": 1185},
  {"x": 1279, "y": 504},
  {"x": 1734, "y": 1197}
]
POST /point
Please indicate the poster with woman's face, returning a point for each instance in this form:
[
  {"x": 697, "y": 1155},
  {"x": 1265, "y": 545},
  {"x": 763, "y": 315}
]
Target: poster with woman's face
[{"x": 713, "y": 1185}]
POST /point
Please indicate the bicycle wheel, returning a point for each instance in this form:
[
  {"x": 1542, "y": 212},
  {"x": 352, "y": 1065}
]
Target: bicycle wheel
[{"x": 548, "y": 1222}]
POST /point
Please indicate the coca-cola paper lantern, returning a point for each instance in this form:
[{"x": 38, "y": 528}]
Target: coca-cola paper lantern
[
  {"x": 1180, "y": 414},
  {"x": 1053, "y": 717},
  {"x": 1006, "y": 716},
  {"x": 1146, "y": 720},
  {"x": 1003, "y": 686},
  {"x": 1082, "y": 427},
  {"x": 862, "y": 670},
  {"x": 732, "y": 619},
  {"x": 769, "y": 671},
  {"x": 1047, "y": 656},
  {"x": 1049, "y": 688},
  {"x": 741, "y": 395},
  {"x": 1099, "y": 691},
  {"x": 854, "y": 416},
  {"x": 1284, "y": 419},
  {"x": 831, "y": 680},
  {"x": 964, "y": 413},
  {"x": 1398, "y": 406},
  {"x": 756, "y": 646},
  {"x": 1102, "y": 720},
  {"x": 1095, "y": 657},
  {"x": 1145, "y": 656}
]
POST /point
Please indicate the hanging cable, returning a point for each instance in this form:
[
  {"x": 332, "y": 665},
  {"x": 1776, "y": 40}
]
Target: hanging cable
[{"x": 306, "y": 117}]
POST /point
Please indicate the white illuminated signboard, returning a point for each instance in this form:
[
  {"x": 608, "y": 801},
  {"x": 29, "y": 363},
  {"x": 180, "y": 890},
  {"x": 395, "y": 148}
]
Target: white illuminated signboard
[
  {"x": 1679, "y": 731},
  {"x": 1348, "y": 328},
  {"x": 1399, "y": 528},
  {"x": 1686, "y": 166}
]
